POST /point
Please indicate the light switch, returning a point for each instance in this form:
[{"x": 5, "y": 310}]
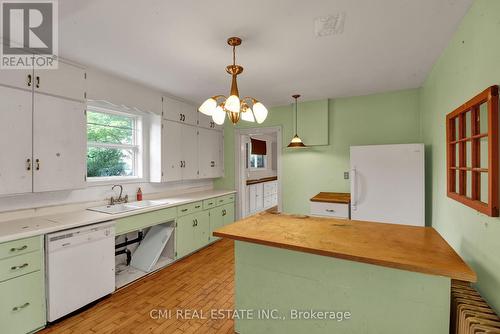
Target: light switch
[{"x": 346, "y": 175}]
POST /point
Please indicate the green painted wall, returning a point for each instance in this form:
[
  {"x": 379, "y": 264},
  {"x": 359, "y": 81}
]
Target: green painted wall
[
  {"x": 470, "y": 64},
  {"x": 387, "y": 118}
]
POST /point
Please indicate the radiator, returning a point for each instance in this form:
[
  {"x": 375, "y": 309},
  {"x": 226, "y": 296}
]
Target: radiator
[{"x": 470, "y": 314}]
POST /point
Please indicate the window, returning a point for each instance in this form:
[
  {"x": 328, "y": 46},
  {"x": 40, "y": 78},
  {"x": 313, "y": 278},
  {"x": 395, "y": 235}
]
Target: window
[
  {"x": 257, "y": 161},
  {"x": 113, "y": 144},
  {"x": 472, "y": 153}
]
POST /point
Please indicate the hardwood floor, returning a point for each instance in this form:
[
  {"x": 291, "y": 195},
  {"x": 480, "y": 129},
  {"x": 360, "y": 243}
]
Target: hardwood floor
[{"x": 203, "y": 281}]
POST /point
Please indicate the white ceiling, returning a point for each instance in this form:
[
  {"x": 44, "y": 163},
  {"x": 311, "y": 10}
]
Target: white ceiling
[{"x": 180, "y": 46}]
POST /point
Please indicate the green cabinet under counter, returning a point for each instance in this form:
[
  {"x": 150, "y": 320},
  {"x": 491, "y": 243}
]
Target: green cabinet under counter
[
  {"x": 143, "y": 220},
  {"x": 22, "y": 286},
  {"x": 191, "y": 233}
]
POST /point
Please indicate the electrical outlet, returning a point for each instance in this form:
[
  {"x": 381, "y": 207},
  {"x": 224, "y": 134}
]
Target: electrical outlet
[{"x": 346, "y": 175}]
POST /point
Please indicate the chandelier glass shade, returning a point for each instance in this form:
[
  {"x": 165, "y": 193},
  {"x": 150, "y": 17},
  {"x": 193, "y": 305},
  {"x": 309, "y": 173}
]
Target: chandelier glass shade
[{"x": 247, "y": 108}]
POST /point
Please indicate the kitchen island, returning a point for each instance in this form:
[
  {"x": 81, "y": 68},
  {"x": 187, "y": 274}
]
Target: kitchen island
[{"x": 299, "y": 274}]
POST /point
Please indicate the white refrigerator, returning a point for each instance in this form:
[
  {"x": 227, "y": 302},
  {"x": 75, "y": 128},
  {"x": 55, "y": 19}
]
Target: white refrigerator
[{"x": 388, "y": 184}]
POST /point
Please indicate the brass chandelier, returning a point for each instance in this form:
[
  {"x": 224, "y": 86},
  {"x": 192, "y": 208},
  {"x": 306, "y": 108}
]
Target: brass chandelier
[{"x": 247, "y": 109}]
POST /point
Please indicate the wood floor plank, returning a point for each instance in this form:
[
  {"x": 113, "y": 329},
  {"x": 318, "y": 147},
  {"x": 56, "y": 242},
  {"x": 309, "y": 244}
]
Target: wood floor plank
[{"x": 203, "y": 281}]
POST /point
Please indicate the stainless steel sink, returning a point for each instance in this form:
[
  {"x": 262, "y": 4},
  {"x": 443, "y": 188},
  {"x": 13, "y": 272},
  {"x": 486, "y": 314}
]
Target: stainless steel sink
[{"x": 126, "y": 207}]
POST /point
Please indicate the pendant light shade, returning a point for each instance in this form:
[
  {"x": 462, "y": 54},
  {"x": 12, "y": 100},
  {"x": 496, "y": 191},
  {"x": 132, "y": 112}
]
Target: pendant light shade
[
  {"x": 296, "y": 142},
  {"x": 219, "y": 115},
  {"x": 260, "y": 112}
]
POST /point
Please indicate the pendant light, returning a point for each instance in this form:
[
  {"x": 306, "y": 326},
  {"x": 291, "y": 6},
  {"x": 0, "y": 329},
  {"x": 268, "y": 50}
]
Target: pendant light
[
  {"x": 296, "y": 141},
  {"x": 235, "y": 107}
]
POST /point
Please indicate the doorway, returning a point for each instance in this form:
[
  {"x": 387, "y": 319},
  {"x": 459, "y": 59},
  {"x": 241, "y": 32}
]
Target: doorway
[{"x": 258, "y": 170}]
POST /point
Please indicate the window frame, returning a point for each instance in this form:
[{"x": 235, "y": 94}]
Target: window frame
[
  {"x": 137, "y": 146},
  {"x": 489, "y": 97}
]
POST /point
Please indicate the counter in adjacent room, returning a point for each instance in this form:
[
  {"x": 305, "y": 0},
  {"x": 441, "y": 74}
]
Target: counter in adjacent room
[{"x": 389, "y": 278}]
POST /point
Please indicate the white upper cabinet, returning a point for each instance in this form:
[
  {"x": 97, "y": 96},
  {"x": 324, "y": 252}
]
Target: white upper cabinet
[
  {"x": 210, "y": 153},
  {"x": 189, "y": 147},
  {"x": 170, "y": 152},
  {"x": 178, "y": 111},
  {"x": 66, "y": 81},
  {"x": 59, "y": 144},
  {"x": 22, "y": 79},
  {"x": 206, "y": 122},
  {"x": 15, "y": 141},
  {"x": 43, "y": 140}
]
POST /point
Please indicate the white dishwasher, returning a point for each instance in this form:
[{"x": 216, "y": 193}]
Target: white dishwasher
[{"x": 80, "y": 267}]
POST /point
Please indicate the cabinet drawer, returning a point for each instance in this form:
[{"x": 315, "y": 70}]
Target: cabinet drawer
[
  {"x": 140, "y": 221},
  {"x": 330, "y": 210},
  {"x": 19, "y": 265},
  {"x": 22, "y": 306},
  {"x": 209, "y": 203},
  {"x": 187, "y": 209},
  {"x": 18, "y": 247},
  {"x": 225, "y": 199},
  {"x": 270, "y": 188}
]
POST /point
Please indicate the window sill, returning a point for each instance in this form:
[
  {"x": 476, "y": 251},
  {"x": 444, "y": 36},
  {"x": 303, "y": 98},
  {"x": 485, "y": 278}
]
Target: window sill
[{"x": 100, "y": 181}]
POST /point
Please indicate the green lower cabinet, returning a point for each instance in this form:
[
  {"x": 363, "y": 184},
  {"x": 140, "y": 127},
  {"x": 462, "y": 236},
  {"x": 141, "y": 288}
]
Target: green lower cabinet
[
  {"x": 228, "y": 213},
  {"x": 219, "y": 217},
  {"x": 191, "y": 233},
  {"x": 22, "y": 304},
  {"x": 216, "y": 221}
]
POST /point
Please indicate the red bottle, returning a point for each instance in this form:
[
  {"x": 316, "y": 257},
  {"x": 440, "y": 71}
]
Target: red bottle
[{"x": 139, "y": 195}]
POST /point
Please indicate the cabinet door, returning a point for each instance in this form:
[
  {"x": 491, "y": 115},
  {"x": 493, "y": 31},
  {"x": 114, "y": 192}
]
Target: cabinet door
[
  {"x": 259, "y": 196},
  {"x": 207, "y": 122},
  {"x": 190, "y": 114},
  {"x": 59, "y": 144},
  {"x": 172, "y": 109},
  {"x": 206, "y": 144},
  {"x": 251, "y": 198},
  {"x": 218, "y": 158},
  {"x": 228, "y": 213},
  {"x": 66, "y": 81},
  {"x": 185, "y": 236},
  {"x": 15, "y": 141},
  {"x": 22, "y": 305},
  {"x": 202, "y": 228},
  {"x": 171, "y": 151},
  {"x": 216, "y": 221},
  {"x": 22, "y": 79},
  {"x": 189, "y": 140}
]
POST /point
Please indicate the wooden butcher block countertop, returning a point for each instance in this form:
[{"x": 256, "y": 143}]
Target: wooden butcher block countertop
[
  {"x": 411, "y": 248},
  {"x": 262, "y": 180},
  {"x": 325, "y": 197}
]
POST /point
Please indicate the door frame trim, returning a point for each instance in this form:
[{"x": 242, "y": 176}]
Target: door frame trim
[{"x": 239, "y": 151}]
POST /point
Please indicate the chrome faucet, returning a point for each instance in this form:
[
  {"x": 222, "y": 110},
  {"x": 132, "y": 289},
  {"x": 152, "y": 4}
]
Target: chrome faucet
[{"x": 119, "y": 199}]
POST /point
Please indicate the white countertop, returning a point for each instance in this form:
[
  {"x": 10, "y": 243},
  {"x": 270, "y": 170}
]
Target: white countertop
[{"x": 29, "y": 227}]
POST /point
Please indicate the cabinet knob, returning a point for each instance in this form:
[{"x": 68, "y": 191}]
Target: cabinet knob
[
  {"x": 28, "y": 164},
  {"x": 29, "y": 80},
  {"x": 37, "y": 81},
  {"x": 37, "y": 164}
]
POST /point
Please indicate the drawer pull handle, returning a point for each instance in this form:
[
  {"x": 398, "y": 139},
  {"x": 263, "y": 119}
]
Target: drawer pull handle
[
  {"x": 211, "y": 203},
  {"x": 19, "y": 267},
  {"x": 184, "y": 210},
  {"x": 224, "y": 212},
  {"x": 18, "y": 249},
  {"x": 330, "y": 210},
  {"x": 197, "y": 207},
  {"x": 17, "y": 308}
]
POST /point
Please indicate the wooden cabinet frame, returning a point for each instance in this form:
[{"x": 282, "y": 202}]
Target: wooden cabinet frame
[{"x": 458, "y": 137}]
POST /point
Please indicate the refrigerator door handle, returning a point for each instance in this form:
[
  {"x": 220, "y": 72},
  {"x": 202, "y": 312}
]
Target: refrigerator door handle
[{"x": 354, "y": 201}]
